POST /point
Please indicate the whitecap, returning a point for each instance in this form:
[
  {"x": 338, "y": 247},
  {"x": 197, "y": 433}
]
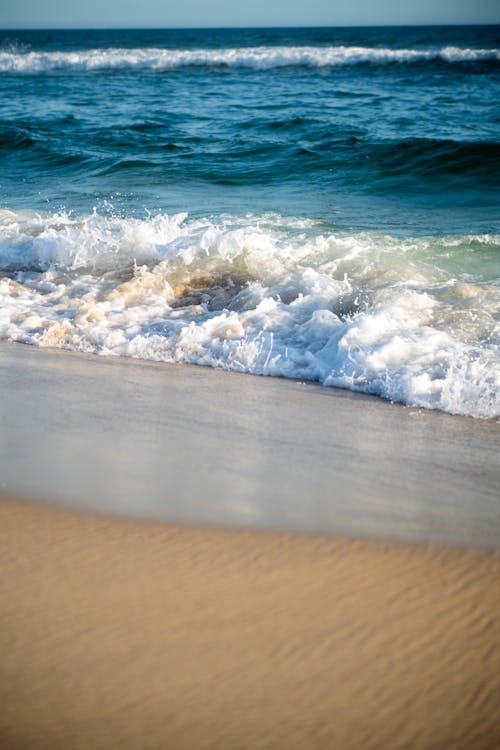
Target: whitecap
[{"x": 413, "y": 320}]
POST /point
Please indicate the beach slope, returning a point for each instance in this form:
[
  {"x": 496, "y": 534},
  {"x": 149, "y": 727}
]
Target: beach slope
[
  {"x": 126, "y": 634},
  {"x": 193, "y": 444}
]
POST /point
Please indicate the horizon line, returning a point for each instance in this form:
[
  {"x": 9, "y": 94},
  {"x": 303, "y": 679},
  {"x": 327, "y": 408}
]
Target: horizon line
[{"x": 239, "y": 28}]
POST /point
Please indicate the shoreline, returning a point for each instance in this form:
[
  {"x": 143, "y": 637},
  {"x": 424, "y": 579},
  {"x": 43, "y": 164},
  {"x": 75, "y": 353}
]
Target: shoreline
[
  {"x": 122, "y": 633},
  {"x": 188, "y": 444}
]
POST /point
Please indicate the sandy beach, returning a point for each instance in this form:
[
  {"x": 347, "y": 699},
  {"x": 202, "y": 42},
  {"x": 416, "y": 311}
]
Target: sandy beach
[
  {"x": 207, "y": 621},
  {"x": 126, "y": 634},
  {"x": 193, "y": 444}
]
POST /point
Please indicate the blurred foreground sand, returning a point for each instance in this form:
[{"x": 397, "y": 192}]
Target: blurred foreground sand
[{"x": 125, "y": 634}]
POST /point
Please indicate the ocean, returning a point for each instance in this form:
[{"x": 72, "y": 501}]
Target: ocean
[{"x": 320, "y": 204}]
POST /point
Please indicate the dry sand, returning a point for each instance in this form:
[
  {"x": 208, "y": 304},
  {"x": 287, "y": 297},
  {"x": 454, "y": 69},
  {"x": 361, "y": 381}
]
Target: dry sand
[{"x": 125, "y": 634}]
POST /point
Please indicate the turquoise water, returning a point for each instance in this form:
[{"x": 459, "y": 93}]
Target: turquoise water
[{"x": 313, "y": 203}]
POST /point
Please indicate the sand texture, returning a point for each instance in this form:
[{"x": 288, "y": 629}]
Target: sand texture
[{"x": 124, "y": 634}]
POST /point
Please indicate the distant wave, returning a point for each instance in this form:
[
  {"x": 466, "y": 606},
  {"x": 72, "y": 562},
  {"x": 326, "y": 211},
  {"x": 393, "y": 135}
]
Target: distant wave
[
  {"x": 426, "y": 164},
  {"x": 258, "y": 58}
]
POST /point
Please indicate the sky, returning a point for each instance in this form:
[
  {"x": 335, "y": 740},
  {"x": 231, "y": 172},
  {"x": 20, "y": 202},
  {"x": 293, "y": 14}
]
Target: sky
[{"x": 214, "y": 13}]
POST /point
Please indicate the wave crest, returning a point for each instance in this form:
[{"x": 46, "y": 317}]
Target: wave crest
[{"x": 258, "y": 58}]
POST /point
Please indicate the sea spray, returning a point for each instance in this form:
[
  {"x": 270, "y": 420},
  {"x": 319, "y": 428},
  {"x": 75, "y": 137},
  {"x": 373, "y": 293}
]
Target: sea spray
[
  {"x": 413, "y": 320},
  {"x": 313, "y": 203}
]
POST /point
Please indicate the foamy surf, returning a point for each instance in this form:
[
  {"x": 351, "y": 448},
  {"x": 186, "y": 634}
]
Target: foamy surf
[
  {"x": 13, "y": 60},
  {"x": 412, "y": 320}
]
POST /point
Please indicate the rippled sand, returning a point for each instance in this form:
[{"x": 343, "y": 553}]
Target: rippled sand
[{"x": 122, "y": 634}]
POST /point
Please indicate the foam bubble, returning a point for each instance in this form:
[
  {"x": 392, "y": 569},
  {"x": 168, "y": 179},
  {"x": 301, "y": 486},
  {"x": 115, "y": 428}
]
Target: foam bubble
[{"x": 413, "y": 320}]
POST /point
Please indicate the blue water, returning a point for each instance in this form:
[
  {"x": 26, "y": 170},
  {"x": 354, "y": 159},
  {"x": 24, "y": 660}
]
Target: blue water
[{"x": 308, "y": 138}]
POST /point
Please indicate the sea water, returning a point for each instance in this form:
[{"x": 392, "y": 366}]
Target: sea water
[{"x": 319, "y": 204}]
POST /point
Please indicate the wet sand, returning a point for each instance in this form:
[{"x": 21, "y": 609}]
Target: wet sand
[
  {"x": 191, "y": 444},
  {"x": 127, "y": 634}
]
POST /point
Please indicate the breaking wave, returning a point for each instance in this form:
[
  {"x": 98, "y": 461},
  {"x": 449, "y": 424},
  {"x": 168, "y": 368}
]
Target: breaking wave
[
  {"x": 258, "y": 58},
  {"x": 413, "y": 320}
]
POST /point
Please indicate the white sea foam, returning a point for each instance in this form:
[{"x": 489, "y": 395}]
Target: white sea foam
[
  {"x": 259, "y": 58},
  {"x": 412, "y": 320}
]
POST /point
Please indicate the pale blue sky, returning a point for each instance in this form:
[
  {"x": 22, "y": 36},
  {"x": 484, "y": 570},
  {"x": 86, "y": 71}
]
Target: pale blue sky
[{"x": 202, "y": 13}]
